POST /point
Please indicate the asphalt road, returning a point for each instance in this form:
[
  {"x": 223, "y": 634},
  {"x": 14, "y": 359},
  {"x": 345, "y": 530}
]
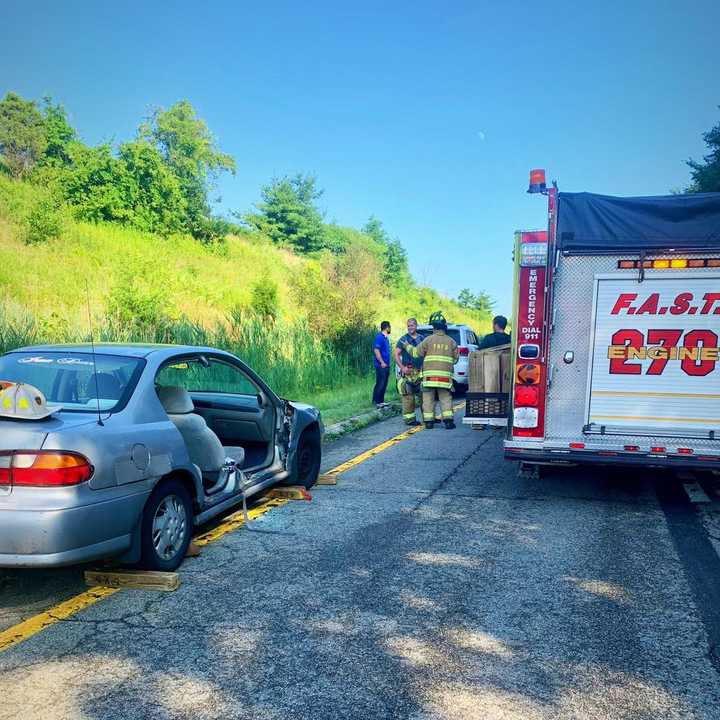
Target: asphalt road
[{"x": 432, "y": 582}]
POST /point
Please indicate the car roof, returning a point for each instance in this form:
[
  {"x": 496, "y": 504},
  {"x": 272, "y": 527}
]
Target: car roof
[
  {"x": 451, "y": 326},
  {"x": 140, "y": 350}
]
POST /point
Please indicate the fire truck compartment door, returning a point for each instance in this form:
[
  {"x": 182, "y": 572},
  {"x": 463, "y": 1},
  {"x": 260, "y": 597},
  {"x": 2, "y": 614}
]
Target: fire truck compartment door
[{"x": 654, "y": 363}]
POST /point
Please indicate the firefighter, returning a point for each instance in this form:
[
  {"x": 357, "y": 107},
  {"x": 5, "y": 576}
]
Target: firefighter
[
  {"x": 409, "y": 369},
  {"x": 439, "y": 353}
]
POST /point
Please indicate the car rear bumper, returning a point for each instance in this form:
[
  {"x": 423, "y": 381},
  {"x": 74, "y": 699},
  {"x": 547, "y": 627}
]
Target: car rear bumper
[
  {"x": 48, "y": 538},
  {"x": 460, "y": 371}
]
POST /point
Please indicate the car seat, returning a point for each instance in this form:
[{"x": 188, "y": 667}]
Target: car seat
[
  {"x": 203, "y": 445},
  {"x": 104, "y": 385}
]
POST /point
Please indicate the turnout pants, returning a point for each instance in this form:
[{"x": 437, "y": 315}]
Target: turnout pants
[
  {"x": 428, "y": 403},
  {"x": 410, "y": 396}
]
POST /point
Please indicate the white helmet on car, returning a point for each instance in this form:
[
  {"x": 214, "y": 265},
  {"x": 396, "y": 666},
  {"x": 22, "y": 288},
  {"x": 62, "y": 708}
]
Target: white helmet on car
[{"x": 23, "y": 402}]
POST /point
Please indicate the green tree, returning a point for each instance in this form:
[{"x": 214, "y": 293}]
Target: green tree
[
  {"x": 288, "y": 215},
  {"x": 190, "y": 151},
  {"x": 59, "y": 134},
  {"x": 466, "y": 299},
  {"x": 22, "y": 135},
  {"x": 135, "y": 187},
  {"x": 152, "y": 192},
  {"x": 95, "y": 184},
  {"x": 395, "y": 271},
  {"x": 706, "y": 175},
  {"x": 484, "y": 303}
]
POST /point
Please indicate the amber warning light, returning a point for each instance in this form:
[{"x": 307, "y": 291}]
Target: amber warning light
[{"x": 537, "y": 181}]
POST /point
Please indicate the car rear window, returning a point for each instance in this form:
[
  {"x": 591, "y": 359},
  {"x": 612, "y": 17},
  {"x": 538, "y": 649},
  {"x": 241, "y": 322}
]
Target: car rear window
[
  {"x": 75, "y": 382},
  {"x": 452, "y": 332}
]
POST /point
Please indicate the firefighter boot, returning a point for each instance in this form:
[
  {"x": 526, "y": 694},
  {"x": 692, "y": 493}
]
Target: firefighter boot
[
  {"x": 447, "y": 409},
  {"x": 428, "y": 407}
]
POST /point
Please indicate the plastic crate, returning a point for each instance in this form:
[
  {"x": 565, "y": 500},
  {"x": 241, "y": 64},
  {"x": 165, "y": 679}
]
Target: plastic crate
[{"x": 486, "y": 405}]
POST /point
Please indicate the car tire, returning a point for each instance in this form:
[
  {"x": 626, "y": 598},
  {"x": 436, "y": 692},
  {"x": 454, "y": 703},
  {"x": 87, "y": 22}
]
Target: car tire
[
  {"x": 308, "y": 458},
  {"x": 167, "y": 525}
]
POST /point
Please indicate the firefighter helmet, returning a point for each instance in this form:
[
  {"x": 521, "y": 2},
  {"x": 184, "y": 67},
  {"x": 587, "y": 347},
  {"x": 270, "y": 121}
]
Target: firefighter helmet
[
  {"x": 437, "y": 320},
  {"x": 23, "y": 401}
]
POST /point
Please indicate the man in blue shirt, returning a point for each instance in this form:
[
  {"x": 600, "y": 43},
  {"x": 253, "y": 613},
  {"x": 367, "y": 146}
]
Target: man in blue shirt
[{"x": 381, "y": 360}]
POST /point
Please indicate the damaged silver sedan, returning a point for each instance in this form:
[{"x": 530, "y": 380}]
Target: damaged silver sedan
[{"x": 141, "y": 444}]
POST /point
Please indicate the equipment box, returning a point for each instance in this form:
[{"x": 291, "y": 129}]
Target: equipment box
[{"x": 488, "y": 387}]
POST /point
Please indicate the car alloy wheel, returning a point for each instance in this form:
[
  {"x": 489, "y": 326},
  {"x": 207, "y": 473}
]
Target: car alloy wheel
[{"x": 169, "y": 527}]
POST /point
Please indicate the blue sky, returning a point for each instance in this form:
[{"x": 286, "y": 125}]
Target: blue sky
[{"x": 428, "y": 115}]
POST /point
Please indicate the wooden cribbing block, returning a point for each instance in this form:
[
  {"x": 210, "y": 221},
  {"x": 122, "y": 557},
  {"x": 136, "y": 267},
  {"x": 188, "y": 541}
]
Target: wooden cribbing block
[
  {"x": 134, "y": 579},
  {"x": 291, "y": 492},
  {"x": 328, "y": 479}
]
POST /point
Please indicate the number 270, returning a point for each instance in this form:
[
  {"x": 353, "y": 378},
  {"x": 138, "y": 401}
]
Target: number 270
[{"x": 666, "y": 339}]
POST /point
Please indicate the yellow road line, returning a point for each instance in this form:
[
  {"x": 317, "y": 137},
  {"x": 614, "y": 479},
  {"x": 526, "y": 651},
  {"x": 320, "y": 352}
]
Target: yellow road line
[
  {"x": 236, "y": 520},
  {"x": 33, "y": 625},
  {"x": 26, "y": 629},
  {"x": 372, "y": 452},
  {"x": 631, "y": 393}
]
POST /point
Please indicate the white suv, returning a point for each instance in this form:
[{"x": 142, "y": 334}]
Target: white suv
[{"x": 467, "y": 341}]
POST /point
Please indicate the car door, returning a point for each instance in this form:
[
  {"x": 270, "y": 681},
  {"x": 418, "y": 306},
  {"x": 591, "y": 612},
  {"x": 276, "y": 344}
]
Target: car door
[{"x": 235, "y": 407}]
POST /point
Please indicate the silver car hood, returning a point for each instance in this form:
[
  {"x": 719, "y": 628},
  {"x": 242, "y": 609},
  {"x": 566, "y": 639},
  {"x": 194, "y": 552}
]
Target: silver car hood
[{"x": 31, "y": 434}]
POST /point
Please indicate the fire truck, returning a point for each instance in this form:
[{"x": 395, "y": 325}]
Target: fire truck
[{"x": 616, "y": 324}]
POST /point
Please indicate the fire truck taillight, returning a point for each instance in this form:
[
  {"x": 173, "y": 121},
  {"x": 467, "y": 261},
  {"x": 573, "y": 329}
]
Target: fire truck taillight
[
  {"x": 526, "y": 396},
  {"x": 525, "y": 417}
]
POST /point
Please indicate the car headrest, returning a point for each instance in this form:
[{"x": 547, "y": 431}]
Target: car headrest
[
  {"x": 175, "y": 400},
  {"x": 104, "y": 385}
]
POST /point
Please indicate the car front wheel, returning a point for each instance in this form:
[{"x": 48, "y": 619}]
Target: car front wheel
[
  {"x": 167, "y": 524},
  {"x": 309, "y": 455}
]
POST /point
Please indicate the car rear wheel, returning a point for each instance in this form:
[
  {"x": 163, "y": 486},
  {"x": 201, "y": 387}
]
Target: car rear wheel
[
  {"x": 167, "y": 524},
  {"x": 309, "y": 454}
]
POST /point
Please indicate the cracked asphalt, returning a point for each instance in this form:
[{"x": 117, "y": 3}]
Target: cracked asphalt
[{"x": 433, "y": 581}]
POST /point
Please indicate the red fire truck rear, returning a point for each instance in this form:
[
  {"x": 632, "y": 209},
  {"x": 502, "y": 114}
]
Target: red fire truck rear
[{"x": 615, "y": 332}]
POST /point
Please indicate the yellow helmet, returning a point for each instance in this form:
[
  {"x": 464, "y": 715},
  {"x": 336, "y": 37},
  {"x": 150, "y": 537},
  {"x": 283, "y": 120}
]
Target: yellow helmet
[{"x": 437, "y": 320}]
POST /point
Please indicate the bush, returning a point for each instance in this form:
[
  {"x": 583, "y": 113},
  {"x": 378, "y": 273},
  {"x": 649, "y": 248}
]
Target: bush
[
  {"x": 138, "y": 305},
  {"x": 264, "y": 300},
  {"x": 44, "y": 222}
]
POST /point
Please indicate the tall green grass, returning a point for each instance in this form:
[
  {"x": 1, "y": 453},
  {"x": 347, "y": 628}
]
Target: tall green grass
[{"x": 287, "y": 356}]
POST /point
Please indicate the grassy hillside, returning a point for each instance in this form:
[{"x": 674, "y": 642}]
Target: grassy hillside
[
  {"x": 202, "y": 283},
  {"x": 245, "y": 293}
]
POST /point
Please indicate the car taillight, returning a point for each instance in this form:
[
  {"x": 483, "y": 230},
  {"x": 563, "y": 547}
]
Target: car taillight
[
  {"x": 44, "y": 468},
  {"x": 463, "y": 351},
  {"x": 5, "y": 461}
]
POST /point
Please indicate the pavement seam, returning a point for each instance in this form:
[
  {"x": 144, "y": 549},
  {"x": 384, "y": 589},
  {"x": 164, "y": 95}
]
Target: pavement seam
[{"x": 449, "y": 475}]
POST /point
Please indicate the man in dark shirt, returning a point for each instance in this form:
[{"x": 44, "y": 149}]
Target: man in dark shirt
[
  {"x": 381, "y": 360},
  {"x": 498, "y": 336},
  {"x": 409, "y": 373}
]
